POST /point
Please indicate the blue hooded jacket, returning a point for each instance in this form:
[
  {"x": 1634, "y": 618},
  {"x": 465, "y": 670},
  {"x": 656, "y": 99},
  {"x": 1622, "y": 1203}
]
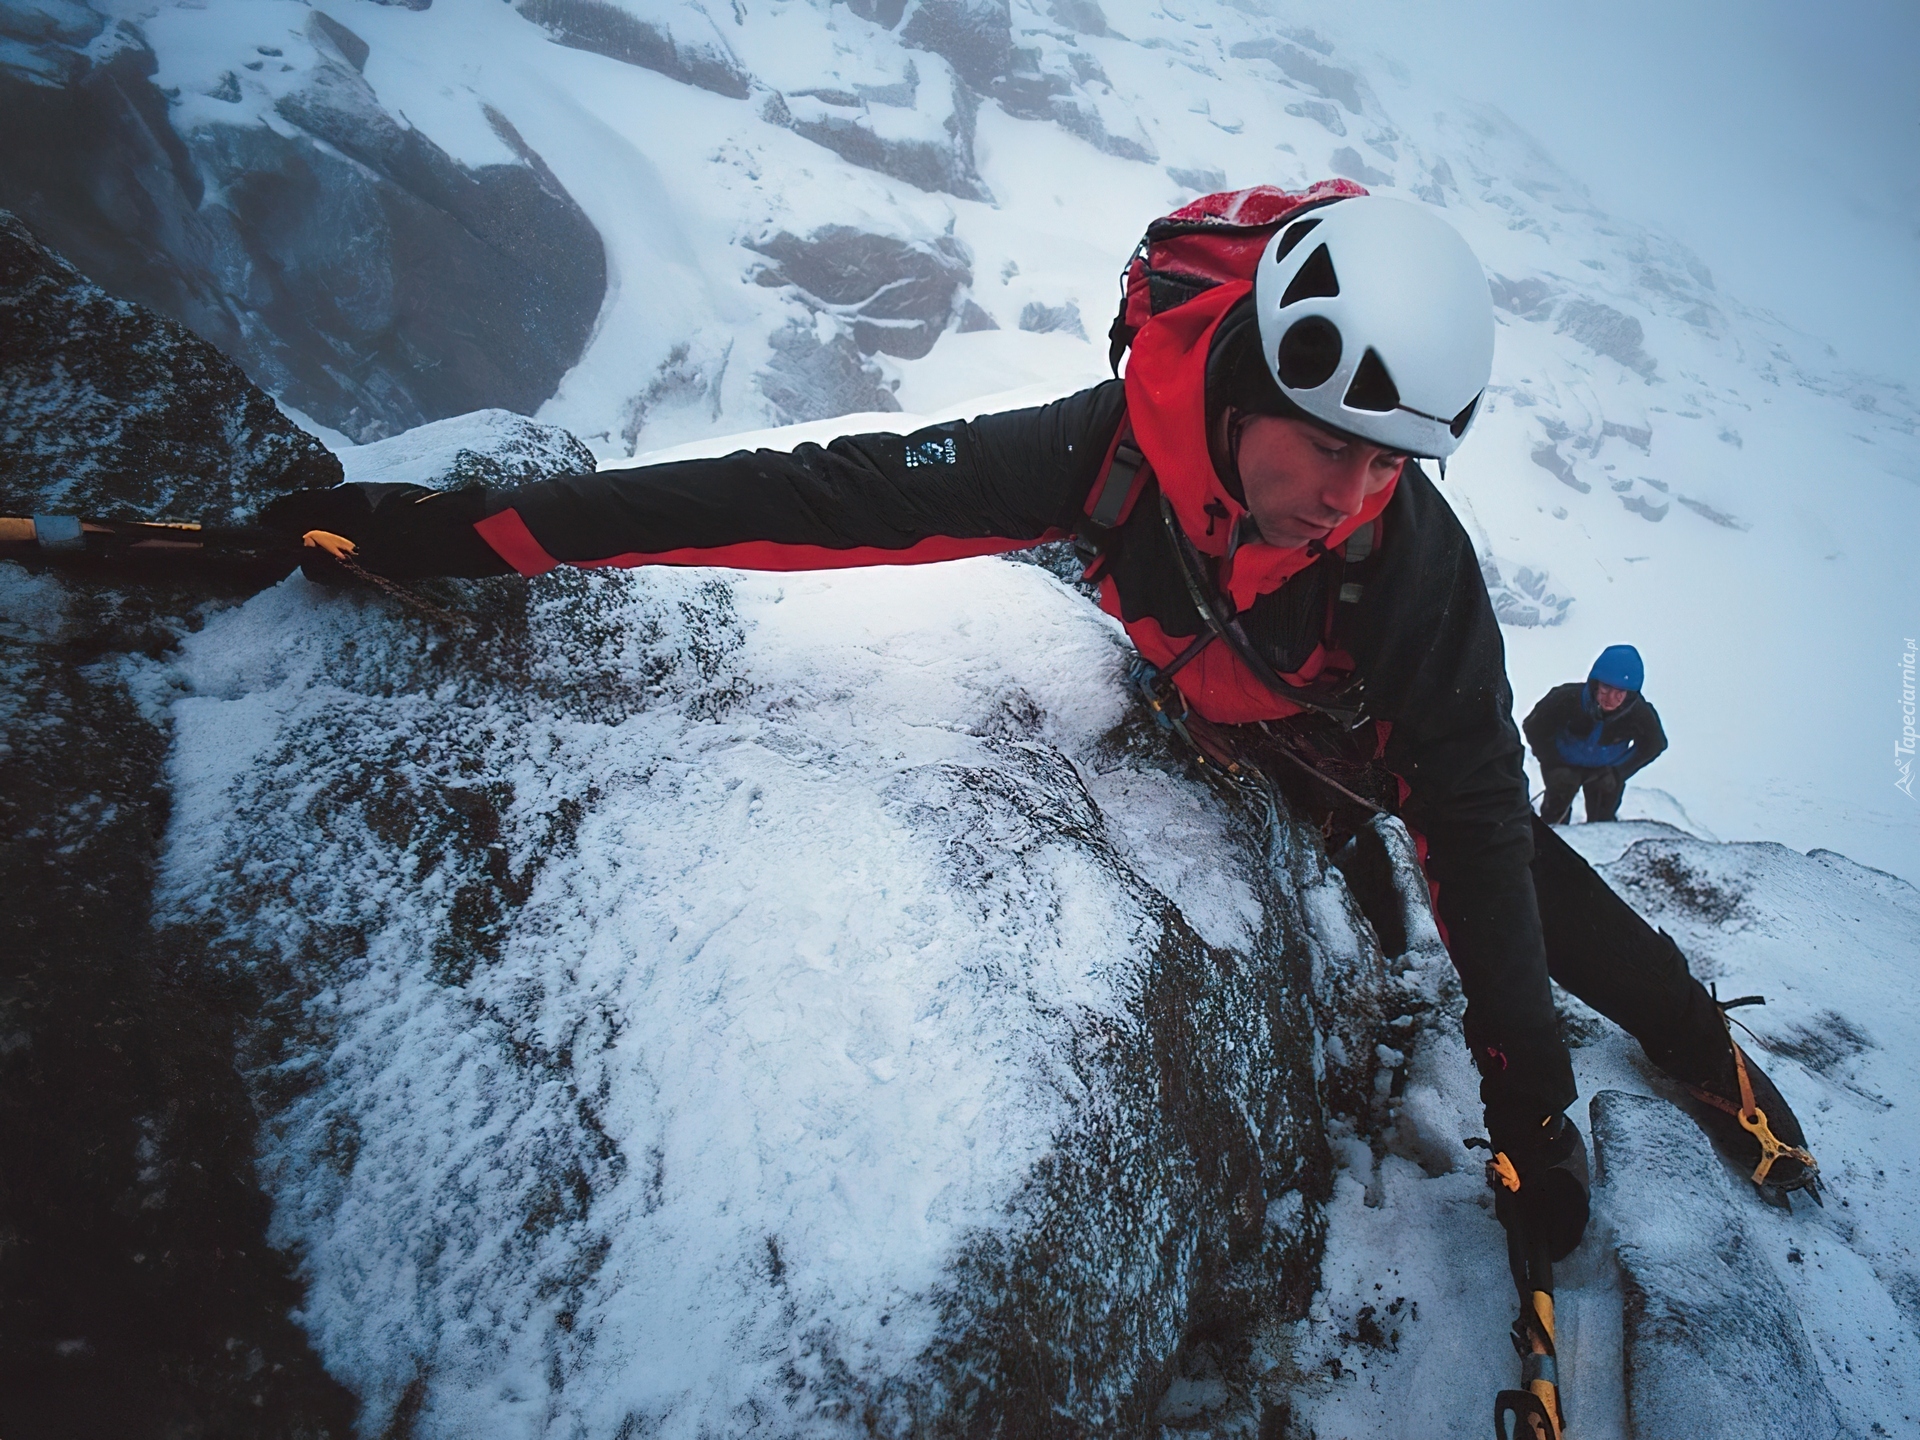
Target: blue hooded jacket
[{"x": 1568, "y": 727}]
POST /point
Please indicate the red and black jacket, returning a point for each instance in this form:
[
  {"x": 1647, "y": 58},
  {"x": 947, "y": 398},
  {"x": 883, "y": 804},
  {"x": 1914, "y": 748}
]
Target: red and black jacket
[{"x": 1423, "y": 636}]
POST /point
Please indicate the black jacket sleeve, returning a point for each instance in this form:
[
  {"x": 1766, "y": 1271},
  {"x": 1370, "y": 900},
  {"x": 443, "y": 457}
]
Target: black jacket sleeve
[
  {"x": 1558, "y": 711},
  {"x": 999, "y": 482},
  {"x": 1649, "y": 740},
  {"x": 1428, "y": 644}
]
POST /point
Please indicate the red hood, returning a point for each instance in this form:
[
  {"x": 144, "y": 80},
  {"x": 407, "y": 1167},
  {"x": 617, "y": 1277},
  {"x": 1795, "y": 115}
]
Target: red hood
[{"x": 1167, "y": 406}]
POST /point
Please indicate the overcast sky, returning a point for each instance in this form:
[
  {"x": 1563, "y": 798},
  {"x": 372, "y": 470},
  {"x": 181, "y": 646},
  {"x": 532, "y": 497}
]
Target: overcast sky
[{"x": 1780, "y": 141}]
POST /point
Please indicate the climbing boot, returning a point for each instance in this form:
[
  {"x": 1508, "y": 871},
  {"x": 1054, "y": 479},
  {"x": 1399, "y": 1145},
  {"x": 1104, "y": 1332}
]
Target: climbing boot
[{"x": 1748, "y": 1116}]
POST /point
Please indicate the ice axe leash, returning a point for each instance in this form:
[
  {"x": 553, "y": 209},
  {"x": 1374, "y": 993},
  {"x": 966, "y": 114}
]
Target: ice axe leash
[
  {"x": 1533, "y": 1411},
  {"x": 73, "y": 538}
]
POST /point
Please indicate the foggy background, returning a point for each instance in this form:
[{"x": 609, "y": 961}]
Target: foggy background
[{"x": 1779, "y": 141}]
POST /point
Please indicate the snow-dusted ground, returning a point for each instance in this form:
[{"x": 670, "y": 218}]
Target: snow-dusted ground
[{"x": 1830, "y": 944}]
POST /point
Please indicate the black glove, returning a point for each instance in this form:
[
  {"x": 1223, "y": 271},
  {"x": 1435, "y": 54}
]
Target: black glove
[
  {"x": 1548, "y": 1161},
  {"x": 404, "y": 532}
]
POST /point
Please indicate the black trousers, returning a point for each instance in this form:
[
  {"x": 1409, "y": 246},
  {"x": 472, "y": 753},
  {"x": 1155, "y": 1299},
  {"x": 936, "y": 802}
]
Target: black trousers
[
  {"x": 1598, "y": 948},
  {"x": 1603, "y": 787}
]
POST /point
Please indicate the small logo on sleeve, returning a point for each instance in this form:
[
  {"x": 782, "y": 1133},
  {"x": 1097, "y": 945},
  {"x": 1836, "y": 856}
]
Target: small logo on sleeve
[{"x": 932, "y": 452}]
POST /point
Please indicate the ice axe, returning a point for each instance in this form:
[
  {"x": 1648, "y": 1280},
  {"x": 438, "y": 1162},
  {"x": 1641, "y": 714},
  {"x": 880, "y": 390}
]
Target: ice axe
[
  {"x": 1532, "y": 1412},
  {"x": 72, "y": 538},
  {"x": 250, "y": 550}
]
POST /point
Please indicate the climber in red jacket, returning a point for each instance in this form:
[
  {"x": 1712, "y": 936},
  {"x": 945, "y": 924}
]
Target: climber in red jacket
[{"x": 1250, "y": 502}]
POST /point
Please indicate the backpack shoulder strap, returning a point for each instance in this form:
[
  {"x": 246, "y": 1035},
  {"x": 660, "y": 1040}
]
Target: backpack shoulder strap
[{"x": 1123, "y": 476}]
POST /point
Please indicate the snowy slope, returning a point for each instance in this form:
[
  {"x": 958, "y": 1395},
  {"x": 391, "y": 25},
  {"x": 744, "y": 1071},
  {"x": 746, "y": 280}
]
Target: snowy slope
[
  {"x": 596, "y": 972},
  {"x": 1662, "y": 463}
]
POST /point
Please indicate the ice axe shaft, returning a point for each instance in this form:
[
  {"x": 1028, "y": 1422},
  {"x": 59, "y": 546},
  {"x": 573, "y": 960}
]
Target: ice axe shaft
[
  {"x": 73, "y": 535},
  {"x": 1532, "y": 1412}
]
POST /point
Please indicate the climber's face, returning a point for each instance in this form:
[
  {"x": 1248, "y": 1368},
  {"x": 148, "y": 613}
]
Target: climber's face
[
  {"x": 1608, "y": 697},
  {"x": 1302, "y": 481}
]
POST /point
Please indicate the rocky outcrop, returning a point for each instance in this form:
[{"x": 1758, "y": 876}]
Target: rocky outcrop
[
  {"x": 330, "y": 252},
  {"x": 142, "y": 1295},
  {"x": 110, "y": 409},
  {"x": 918, "y": 130},
  {"x": 896, "y": 296},
  {"x": 683, "y": 45},
  {"x": 1714, "y": 1345}
]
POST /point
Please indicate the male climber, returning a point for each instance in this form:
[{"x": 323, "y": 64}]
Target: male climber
[
  {"x": 1593, "y": 737},
  {"x": 1288, "y": 573}
]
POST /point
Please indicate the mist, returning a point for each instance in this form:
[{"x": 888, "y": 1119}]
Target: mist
[{"x": 1780, "y": 142}]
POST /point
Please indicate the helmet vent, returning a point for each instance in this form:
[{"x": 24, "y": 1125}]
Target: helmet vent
[
  {"x": 1296, "y": 232},
  {"x": 1372, "y": 388},
  {"x": 1314, "y": 280},
  {"x": 1309, "y": 353},
  {"x": 1465, "y": 417}
]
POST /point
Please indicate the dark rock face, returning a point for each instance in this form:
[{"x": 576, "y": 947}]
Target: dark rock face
[
  {"x": 1713, "y": 1345},
  {"x": 843, "y": 122},
  {"x": 141, "y": 1295},
  {"x": 606, "y": 28},
  {"x": 810, "y": 379},
  {"x": 105, "y": 407},
  {"x": 897, "y": 295},
  {"x": 1306, "y": 69},
  {"x": 354, "y": 267},
  {"x": 973, "y": 36}
]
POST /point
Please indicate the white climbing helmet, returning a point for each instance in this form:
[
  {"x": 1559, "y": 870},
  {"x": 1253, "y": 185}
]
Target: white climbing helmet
[{"x": 1375, "y": 317}]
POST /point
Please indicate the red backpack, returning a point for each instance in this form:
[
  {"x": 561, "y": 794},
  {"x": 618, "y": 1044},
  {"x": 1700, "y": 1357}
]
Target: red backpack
[{"x": 1212, "y": 240}]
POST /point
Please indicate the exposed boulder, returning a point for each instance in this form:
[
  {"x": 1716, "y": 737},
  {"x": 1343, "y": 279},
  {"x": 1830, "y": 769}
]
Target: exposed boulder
[
  {"x": 973, "y": 36},
  {"x": 896, "y": 296},
  {"x": 1306, "y": 69},
  {"x": 344, "y": 248},
  {"x": 919, "y": 130},
  {"x": 1713, "y": 1343},
  {"x": 1607, "y": 331},
  {"x": 807, "y": 378},
  {"x": 781, "y": 1001}
]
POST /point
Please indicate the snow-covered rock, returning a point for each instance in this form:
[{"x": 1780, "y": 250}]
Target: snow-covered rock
[
  {"x": 702, "y": 1001},
  {"x": 1713, "y": 1343},
  {"x": 1686, "y": 1276}
]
